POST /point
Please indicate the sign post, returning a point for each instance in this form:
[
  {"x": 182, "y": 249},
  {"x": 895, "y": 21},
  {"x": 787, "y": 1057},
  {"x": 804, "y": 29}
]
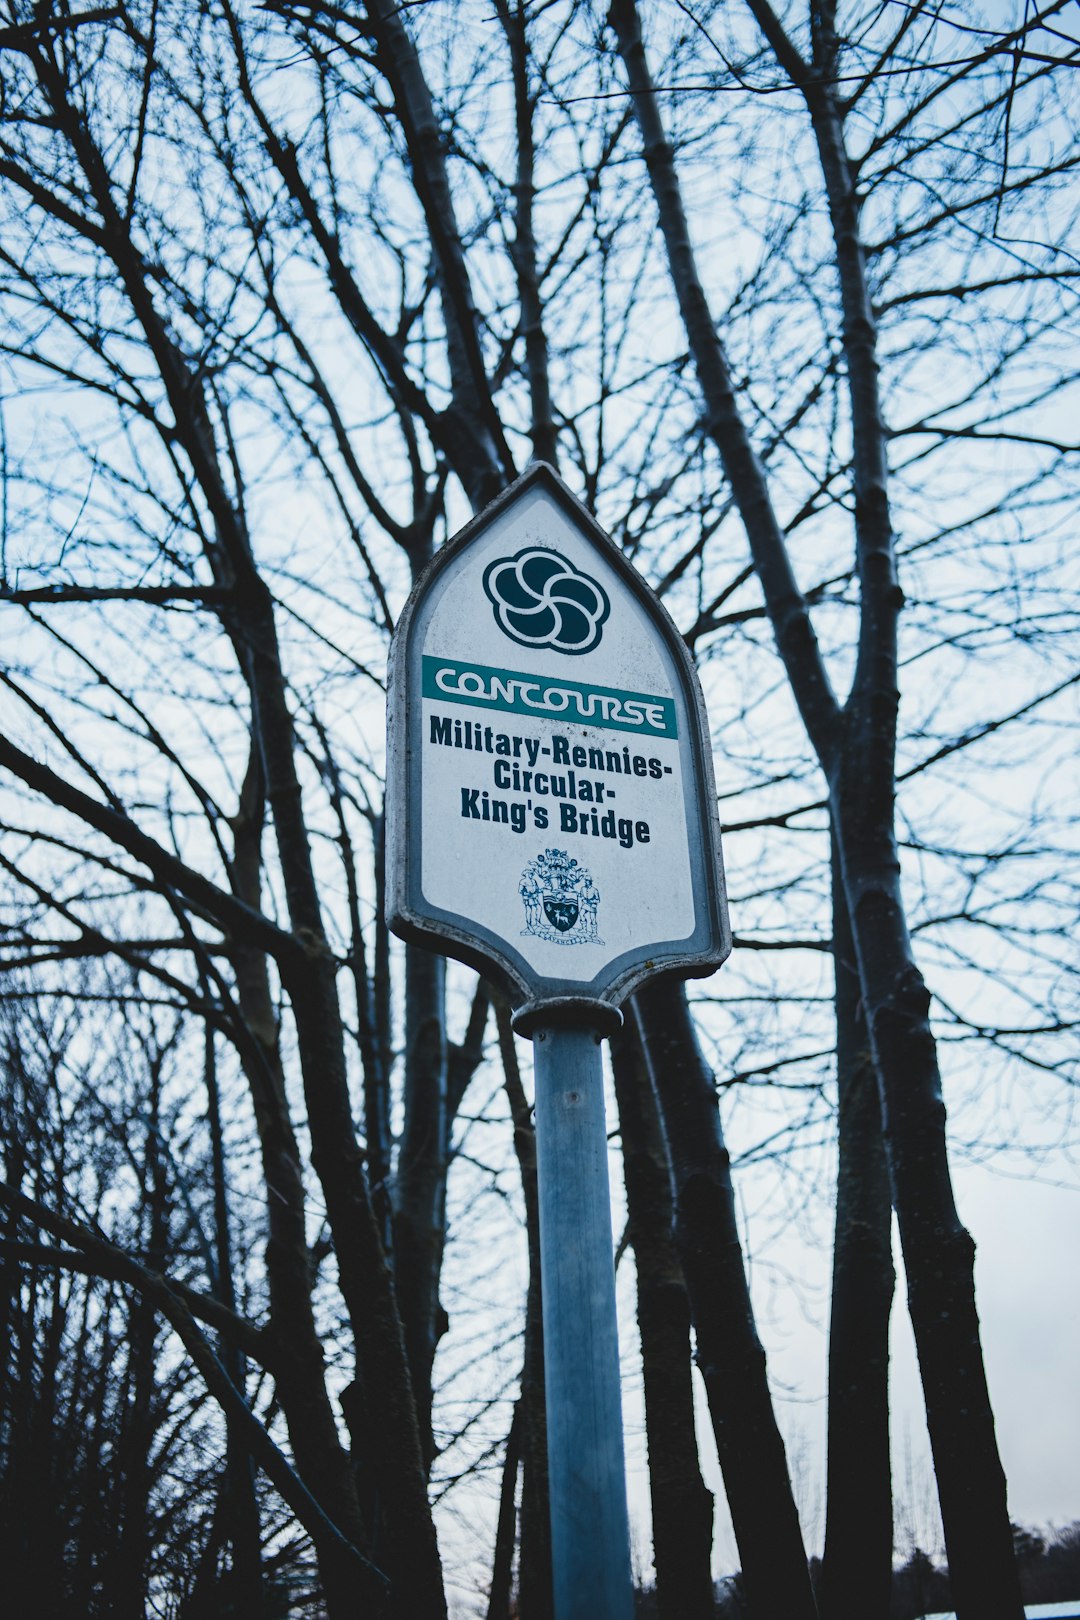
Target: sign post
[
  {"x": 590, "y": 1533},
  {"x": 551, "y": 820}
]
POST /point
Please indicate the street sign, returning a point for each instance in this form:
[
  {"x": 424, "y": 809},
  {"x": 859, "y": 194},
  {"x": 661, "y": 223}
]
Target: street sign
[
  {"x": 551, "y": 814},
  {"x": 551, "y": 819}
]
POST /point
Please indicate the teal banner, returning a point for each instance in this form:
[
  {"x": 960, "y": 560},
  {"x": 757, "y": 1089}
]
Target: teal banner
[{"x": 508, "y": 691}]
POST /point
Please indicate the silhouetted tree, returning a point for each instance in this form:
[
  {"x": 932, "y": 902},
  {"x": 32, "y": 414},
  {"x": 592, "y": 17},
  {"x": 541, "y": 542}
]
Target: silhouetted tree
[{"x": 287, "y": 292}]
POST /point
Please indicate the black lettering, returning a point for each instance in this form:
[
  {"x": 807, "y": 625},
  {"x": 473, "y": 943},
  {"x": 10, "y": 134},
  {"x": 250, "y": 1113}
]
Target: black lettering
[
  {"x": 440, "y": 731},
  {"x": 654, "y": 768},
  {"x": 468, "y": 803},
  {"x": 596, "y": 759},
  {"x": 614, "y": 764},
  {"x": 502, "y": 743},
  {"x": 501, "y": 774},
  {"x": 517, "y": 816},
  {"x": 585, "y": 822},
  {"x": 580, "y": 759},
  {"x": 561, "y": 751},
  {"x": 540, "y": 782},
  {"x": 500, "y": 811},
  {"x": 640, "y": 765}
]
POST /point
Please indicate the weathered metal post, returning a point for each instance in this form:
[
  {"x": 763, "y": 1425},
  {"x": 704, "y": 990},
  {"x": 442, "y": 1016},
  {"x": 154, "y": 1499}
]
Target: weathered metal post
[
  {"x": 590, "y": 1531},
  {"x": 554, "y": 825}
]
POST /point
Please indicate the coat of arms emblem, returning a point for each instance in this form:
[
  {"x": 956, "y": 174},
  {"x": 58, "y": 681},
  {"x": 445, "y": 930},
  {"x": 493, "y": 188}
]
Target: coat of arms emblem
[{"x": 561, "y": 899}]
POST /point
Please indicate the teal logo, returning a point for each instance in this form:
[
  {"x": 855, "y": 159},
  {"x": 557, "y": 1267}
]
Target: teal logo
[{"x": 541, "y": 600}]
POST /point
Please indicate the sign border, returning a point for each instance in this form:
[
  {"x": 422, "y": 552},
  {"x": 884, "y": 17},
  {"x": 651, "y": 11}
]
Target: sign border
[{"x": 414, "y": 919}]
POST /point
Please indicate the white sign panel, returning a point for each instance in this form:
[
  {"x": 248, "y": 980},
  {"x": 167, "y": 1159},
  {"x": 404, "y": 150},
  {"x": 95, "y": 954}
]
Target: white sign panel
[{"x": 550, "y": 809}]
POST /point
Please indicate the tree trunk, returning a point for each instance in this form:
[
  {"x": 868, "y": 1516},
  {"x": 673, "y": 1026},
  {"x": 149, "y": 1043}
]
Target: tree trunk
[
  {"x": 299, "y": 1364},
  {"x": 470, "y": 430},
  {"x": 856, "y": 1572},
  {"x": 682, "y": 1507},
  {"x": 409, "y": 1552},
  {"x": 856, "y": 748},
  {"x": 502, "y": 1563},
  {"x": 534, "y": 1568},
  {"x": 247, "y": 614},
  {"x": 729, "y": 1353},
  {"x": 939, "y": 1254},
  {"x": 242, "y": 1508},
  {"x": 420, "y": 1185},
  {"x": 140, "y": 1414},
  {"x": 543, "y": 430}
]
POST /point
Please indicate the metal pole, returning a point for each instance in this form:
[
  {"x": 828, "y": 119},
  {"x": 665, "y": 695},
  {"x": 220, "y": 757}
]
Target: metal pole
[{"x": 590, "y": 1533}]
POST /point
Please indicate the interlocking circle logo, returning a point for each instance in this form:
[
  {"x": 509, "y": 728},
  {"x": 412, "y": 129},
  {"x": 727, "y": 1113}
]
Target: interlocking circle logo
[{"x": 541, "y": 600}]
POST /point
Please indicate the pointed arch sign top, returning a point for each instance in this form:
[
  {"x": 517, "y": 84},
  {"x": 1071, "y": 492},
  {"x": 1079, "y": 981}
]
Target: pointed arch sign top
[{"x": 551, "y": 813}]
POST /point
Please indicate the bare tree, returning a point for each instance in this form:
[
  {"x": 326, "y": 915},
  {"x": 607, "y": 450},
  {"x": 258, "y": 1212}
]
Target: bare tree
[
  {"x": 286, "y": 293},
  {"x": 855, "y": 743}
]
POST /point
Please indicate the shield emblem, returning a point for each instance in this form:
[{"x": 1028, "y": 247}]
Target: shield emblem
[{"x": 561, "y": 914}]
